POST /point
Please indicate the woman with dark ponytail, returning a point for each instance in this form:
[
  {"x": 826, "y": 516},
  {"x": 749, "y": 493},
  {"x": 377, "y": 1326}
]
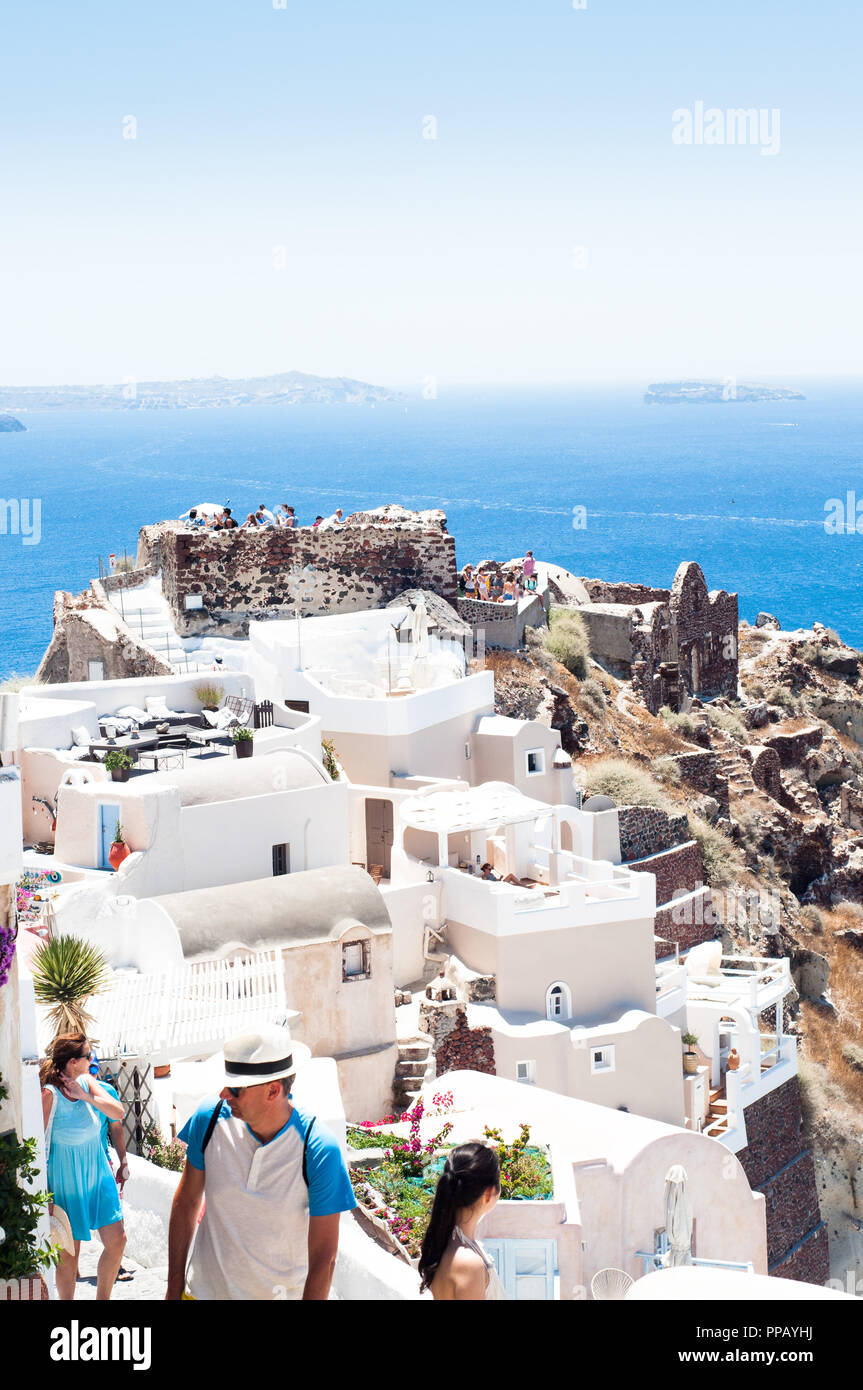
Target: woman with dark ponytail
[{"x": 452, "y": 1262}]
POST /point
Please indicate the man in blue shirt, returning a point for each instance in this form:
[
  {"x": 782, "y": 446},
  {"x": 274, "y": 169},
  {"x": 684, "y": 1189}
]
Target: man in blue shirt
[{"x": 275, "y": 1184}]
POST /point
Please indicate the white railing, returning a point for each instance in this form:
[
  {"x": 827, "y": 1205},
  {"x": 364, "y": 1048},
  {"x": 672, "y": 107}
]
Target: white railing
[
  {"x": 758, "y": 987},
  {"x": 190, "y": 1010},
  {"x": 649, "y": 1263}
]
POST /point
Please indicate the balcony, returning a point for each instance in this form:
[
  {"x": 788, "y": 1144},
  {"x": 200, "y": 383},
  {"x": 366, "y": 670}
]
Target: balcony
[{"x": 753, "y": 982}]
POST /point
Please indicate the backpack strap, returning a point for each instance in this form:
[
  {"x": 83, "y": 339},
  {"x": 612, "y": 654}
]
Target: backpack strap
[
  {"x": 211, "y": 1125},
  {"x": 305, "y": 1147}
]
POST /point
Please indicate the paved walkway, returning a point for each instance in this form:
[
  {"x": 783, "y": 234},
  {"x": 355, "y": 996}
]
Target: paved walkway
[{"x": 145, "y": 1284}]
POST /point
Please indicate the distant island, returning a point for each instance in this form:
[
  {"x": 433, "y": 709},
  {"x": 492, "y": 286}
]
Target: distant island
[
  {"x": 283, "y": 388},
  {"x": 701, "y": 392},
  {"x": 8, "y": 423}
]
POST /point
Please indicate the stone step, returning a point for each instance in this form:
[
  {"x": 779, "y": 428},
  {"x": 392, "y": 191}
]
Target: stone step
[
  {"x": 414, "y": 1051},
  {"x": 407, "y": 1069},
  {"x": 719, "y": 1107}
]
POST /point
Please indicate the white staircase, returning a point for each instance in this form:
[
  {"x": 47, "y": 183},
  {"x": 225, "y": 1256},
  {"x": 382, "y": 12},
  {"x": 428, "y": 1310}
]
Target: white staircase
[{"x": 146, "y": 613}]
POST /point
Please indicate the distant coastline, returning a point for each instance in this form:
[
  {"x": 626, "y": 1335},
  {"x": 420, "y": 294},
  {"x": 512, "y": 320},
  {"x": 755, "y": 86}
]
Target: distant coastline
[
  {"x": 8, "y": 424},
  {"x": 282, "y": 388},
  {"x": 713, "y": 392}
]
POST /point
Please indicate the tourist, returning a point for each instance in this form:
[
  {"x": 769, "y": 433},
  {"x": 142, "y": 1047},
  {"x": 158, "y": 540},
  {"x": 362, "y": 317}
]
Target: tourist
[
  {"x": 497, "y": 587},
  {"x": 483, "y": 586},
  {"x": 194, "y": 520},
  {"x": 251, "y": 522},
  {"x": 487, "y": 872},
  {"x": 285, "y": 516},
  {"x": 317, "y": 522},
  {"x": 265, "y": 514},
  {"x": 229, "y": 524},
  {"x": 334, "y": 521},
  {"x": 115, "y": 1129},
  {"x": 509, "y": 591},
  {"x": 529, "y": 566},
  {"x": 469, "y": 582},
  {"x": 452, "y": 1262},
  {"x": 79, "y": 1174},
  {"x": 277, "y": 1183}
]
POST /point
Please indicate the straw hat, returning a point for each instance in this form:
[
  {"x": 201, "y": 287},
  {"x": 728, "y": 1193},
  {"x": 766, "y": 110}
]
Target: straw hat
[
  {"x": 255, "y": 1058},
  {"x": 61, "y": 1230}
]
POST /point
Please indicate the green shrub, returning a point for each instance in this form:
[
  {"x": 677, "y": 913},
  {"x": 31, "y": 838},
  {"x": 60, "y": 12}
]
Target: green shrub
[
  {"x": 668, "y": 771},
  {"x": 779, "y": 695},
  {"x": 756, "y": 689},
  {"x": 567, "y": 641},
  {"x": 626, "y": 784},
  {"x": 330, "y": 758},
  {"x": 853, "y": 1055},
  {"x": 718, "y": 855},
  {"x": 593, "y": 697},
  {"x": 22, "y": 1254},
  {"x": 812, "y": 917},
  {"x": 210, "y": 696},
  {"x": 729, "y": 723},
  {"x": 683, "y": 723}
]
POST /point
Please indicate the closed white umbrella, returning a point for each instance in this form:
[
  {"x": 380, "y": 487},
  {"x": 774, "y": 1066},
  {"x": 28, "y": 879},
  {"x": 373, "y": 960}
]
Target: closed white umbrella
[
  {"x": 204, "y": 509},
  {"x": 678, "y": 1217}
]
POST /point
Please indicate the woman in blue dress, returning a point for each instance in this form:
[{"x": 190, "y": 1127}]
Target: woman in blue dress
[{"x": 79, "y": 1174}]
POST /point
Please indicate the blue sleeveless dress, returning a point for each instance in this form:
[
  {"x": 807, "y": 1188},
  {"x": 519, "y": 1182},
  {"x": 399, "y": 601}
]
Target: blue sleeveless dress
[{"x": 79, "y": 1174}]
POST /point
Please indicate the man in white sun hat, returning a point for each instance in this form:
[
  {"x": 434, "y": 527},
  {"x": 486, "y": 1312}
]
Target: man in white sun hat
[{"x": 274, "y": 1179}]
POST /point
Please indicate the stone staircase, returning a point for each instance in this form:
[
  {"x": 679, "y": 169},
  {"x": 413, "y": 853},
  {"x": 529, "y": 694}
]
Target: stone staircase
[
  {"x": 716, "y": 1123},
  {"x": 415, "y": 1060},
  {"x": 146, "y": 613}
]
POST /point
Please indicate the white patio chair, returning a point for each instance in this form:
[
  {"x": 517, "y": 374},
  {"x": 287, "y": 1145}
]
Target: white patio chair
[{"x": 610, "y": 1284}]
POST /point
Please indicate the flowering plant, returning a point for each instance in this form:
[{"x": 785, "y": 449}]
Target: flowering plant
[
  {"x": 7, "y": 952},
  {"x": 414, "y": 1155}
]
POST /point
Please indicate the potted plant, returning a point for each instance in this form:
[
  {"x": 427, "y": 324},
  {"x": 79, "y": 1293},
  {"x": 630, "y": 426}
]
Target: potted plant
[
  {"x": 690, "y": 1058},
  {"x": 118, "y": 762},
  {"x": 330, "y": 758},
  {"x": 22, "y": 1254},
  {"x": 210, "y": 696},
  {"x": 66, "y": 970},
  {"x": 119, "y": 849},
  {"x": 243, "y": 741}
]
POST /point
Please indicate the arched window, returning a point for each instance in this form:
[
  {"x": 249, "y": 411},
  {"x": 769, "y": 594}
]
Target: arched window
[{"x": 558, "y": 1001}]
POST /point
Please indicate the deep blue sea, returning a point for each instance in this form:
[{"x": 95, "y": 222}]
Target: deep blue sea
[{"x": 741, "y": 488}]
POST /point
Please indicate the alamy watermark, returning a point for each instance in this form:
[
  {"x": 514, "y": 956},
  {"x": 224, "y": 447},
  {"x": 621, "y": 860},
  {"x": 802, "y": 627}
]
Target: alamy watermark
[
  {"x": 736, "y": 125},
  {"x": 844, "y": 515},
  {"x": 21, "y": 516}
]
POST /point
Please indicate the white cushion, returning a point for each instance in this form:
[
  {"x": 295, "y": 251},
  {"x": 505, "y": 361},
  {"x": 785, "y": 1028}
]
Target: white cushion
[
  {"x": 81, "y": 736},
  {"x": 226, "y": 719},
  {"x": 133, "y": 712},
  {"x": 157, "y": 706},
  {"x": 211, "y": 716}
]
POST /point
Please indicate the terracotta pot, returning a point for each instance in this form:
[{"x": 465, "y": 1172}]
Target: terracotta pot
[
  {"x": 245, "y": 748},
  {"x": 733, "y": 1060},
  {"x": 690, "y": 1063},
  {"x": 117, "y": 853},
  {"x": 162, "y": 1071}
]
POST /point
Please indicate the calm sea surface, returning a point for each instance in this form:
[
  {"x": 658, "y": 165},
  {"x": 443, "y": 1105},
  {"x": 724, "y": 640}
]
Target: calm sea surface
[{"x": 739, "y": 488}]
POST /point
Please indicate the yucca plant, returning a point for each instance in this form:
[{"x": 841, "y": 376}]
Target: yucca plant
[{"x": 66, "y": 971}]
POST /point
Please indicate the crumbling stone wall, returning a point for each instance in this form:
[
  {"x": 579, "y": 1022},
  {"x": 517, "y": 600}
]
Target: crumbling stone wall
[
  {"x": 682, "y": 641},
  {"x": 701, "y": 772},
  {"x": 647, "y": 830},
  {"x": 456, "y": 1046},
  {"x": 241, "y": 575},
  {"x": 87, "y": 628},
  {"x": 778, "y": 1162},
  {"x": 686, "y": 923},
  {"x": 705, "y": 626},
  {"x": 791, "y": 748}
]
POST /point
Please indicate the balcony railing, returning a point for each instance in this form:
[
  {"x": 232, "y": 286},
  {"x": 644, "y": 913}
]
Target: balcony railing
[
  {"x": 755, "y": 982},
  {"x": 655, "y": 1261}
]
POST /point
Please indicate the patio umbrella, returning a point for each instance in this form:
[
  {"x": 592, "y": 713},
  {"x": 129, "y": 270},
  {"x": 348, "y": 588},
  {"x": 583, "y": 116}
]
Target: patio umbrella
[
  {"x": 678, "y": 1217},
  {"x": 204, "y": 509}
]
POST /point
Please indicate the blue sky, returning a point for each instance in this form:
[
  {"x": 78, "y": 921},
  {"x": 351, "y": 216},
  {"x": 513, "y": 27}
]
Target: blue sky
[{"x": 279, "y": 207}]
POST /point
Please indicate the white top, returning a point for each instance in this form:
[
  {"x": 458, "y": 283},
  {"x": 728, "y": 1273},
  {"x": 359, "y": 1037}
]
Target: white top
[{"x": 494, "y": 1288}]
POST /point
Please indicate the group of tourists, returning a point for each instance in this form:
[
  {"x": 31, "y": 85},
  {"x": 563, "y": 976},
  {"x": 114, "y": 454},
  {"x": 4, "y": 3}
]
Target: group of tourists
[
  {"x": 495, "y": 585},
  {"x": 284, "y": 515},
  {"x": 271, "y": 1178}
]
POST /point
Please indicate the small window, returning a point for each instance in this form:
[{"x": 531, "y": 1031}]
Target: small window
[
  {"x": 301, "y": 706},
  {"x": 535, "y": 761},
  {"x": 526, "y": 1072},
  {"x": 95, "y": 670},
  {"x": 281, "y": 860},
  {"x": 356, "y": 960},
  {"x": 602, "y": 1058}
]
